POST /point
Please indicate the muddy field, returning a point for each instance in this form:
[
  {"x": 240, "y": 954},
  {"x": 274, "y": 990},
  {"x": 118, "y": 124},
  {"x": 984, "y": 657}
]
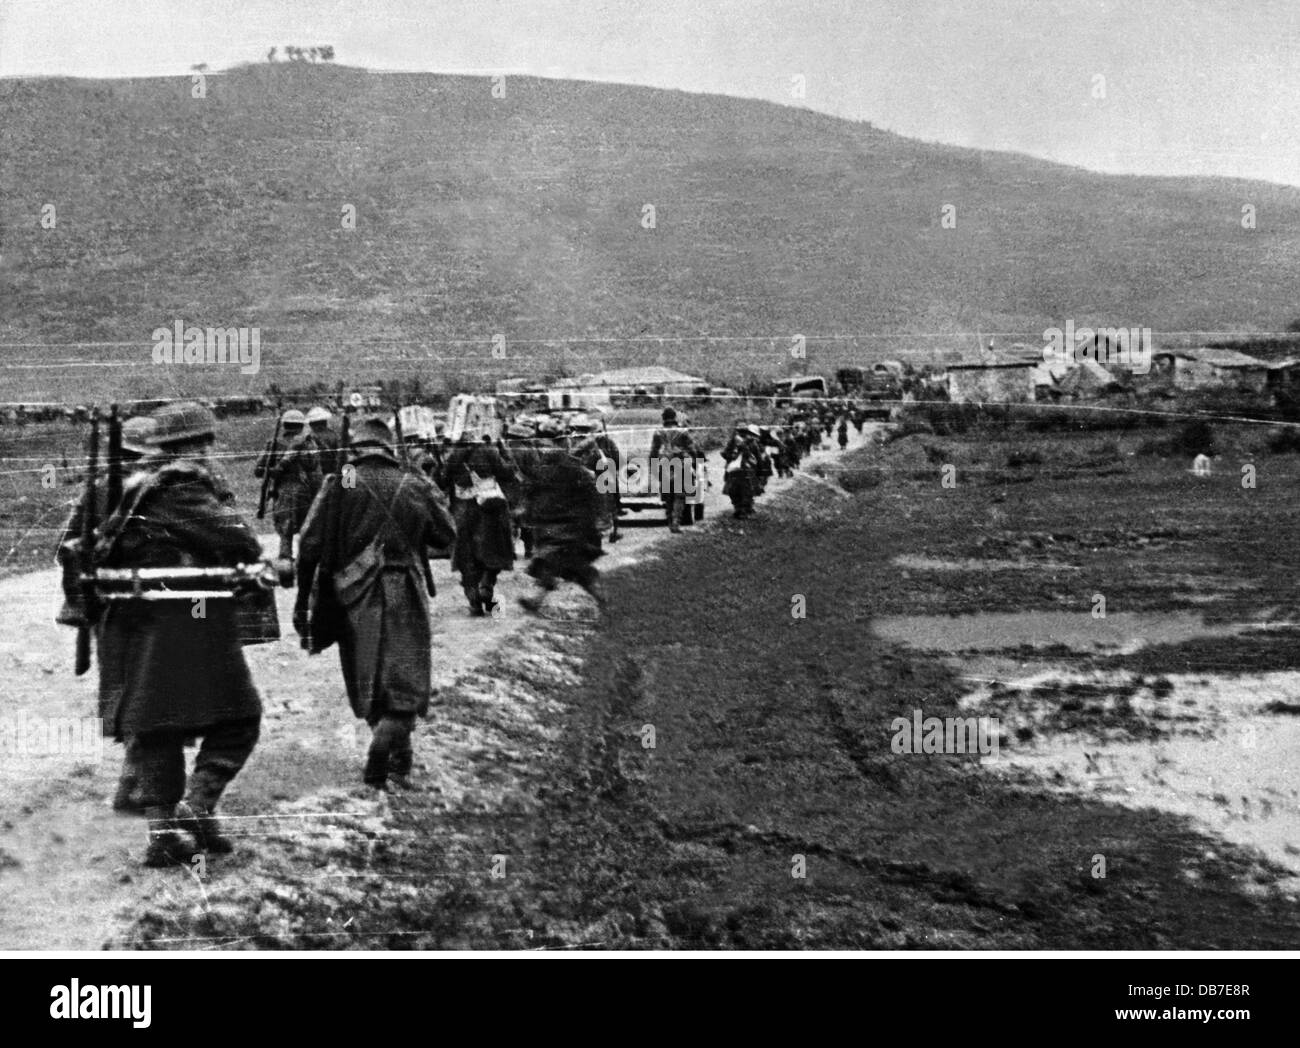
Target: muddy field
[{"x": 711, "y": 765}]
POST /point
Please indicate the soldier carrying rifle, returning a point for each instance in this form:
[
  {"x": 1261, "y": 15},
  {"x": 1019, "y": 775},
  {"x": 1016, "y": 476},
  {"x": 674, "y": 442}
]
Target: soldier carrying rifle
[
  {"x": 173, "y": 670},
  {"x": 290, "y": 470},
  {"x": 99, "y": 501}
]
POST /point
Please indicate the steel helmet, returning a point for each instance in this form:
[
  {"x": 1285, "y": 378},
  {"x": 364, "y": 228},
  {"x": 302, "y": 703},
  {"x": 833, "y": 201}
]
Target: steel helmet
[
  {"x": 371, "y": 431},
  {"x": 136, "y": 433},
  {"x": 293, "y": 417},
  {"x": 318, "y": 414}
]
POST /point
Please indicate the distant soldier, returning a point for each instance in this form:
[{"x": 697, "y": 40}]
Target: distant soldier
[
  {"x": 475, "y": 480},
  {"x": 843, "y": 432},
  {"x": 672, "y": 460},
  {"x": 174, "y": 670},
  {"x": 328, "y": 452},
  {"x": 766, "y": 469},
  {"x": 564, "y": 507},
  {"x": 135, "y": 447},
  {"x": 741, "y": 457},
  {"x": 364, "y": 581},
  {"x": 783, "y": 457},
  {"x": 295, "y": 477},
  {"x": 598, "y": 452},
  {"x": 525, "y": 458}
]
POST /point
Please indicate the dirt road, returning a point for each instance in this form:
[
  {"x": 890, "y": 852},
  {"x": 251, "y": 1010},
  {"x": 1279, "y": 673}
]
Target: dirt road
[{"x": 69, "y": 868}]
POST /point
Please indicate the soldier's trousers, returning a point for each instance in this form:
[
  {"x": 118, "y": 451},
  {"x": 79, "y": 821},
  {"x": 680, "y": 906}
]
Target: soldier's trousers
[
  {"x": 390, "y": 748},
  {"x": 673, "y": 506},
  {"x": 160, "y": 763}
]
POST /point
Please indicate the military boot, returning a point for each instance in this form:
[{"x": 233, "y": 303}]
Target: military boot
[
  {"x": 487, "y": 599},
  {"x": 166, "y": 846},
  {"x": 475, "y": 602},
  {"x": 200, "y": 821}
]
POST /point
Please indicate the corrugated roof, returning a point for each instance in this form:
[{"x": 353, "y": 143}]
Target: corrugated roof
[
  {"x": 1017, "y": 355},
  {"x": 651, "y": 375},
  {"x": 1219, "y": 358}
]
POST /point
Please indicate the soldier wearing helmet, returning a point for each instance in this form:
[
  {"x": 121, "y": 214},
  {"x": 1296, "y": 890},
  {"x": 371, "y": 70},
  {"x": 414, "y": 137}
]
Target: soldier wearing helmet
[
  {"x": 294, "y": 464},
  {"x": 741, "y": 456},
  {"x": 174, "y": 670},
  {"x": 328, "y": 448},
  {"x": 672, "y": 460},
  {"x": 364, "y": 582}
]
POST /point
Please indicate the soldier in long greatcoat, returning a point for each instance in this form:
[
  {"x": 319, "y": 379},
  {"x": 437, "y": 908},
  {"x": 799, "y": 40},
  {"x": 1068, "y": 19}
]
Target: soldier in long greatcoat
[
  {"x": 364, "y": 581},
  {"x": 135, "y": 449},
  {"x": 524, "y": 458},
  {"x": 600, "y": 455},
  {"x": 294, "y": 462},
  {"x": 741, "y": 457},
  {"x": 475, "y": 479},
  {"x": 171, "y": 670},
  {"x": 564, "y": 506}
]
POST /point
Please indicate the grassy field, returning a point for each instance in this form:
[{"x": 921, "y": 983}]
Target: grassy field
[
  {"x": 773, "y": 733},
  {"x": 523, "y": 216}
]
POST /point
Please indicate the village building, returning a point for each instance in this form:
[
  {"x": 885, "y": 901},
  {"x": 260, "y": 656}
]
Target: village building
[
  {"x": 1017, "y": 375},
  {"x": 651, "y": 384},
  {"x": 1206, "y": 368}
]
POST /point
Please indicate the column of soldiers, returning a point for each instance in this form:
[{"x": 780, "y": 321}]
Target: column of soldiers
[{"x": 367, "y": 518}]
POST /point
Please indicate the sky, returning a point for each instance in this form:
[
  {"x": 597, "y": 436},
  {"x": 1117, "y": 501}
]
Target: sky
[{"x": 1176, "y": 87}]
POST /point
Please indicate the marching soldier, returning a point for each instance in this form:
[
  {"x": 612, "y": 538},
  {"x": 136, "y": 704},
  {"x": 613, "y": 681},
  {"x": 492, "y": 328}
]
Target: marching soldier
[
  {"x": 741, "y": 457},
  {"x": 328, "y": 452},
  {"x": 364, "y": 581},
  {"x": 134, "y": 445},
  {"x": 783, "y": 460},
  {"x": 598, "y": 453},
  {"x": 564, "y": 507},
  {"x": 174, "y": 670},
  {"x": 672, "y": 459},
  {"x": 296, "y": 476},
  {"x": 524, "y": 456},
  {"x": 765, "y": 469},
  {"x": 485, "y": 541}
]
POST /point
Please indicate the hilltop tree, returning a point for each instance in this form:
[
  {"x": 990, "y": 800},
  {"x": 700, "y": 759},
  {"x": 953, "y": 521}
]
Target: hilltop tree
[
  {"x": 270, "y": 55},
  {"x": 327, "y": 53}
]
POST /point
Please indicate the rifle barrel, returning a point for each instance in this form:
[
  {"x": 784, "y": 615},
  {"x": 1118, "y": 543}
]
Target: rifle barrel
[
  {"x": 86, "y": 552},
  {"x": 270, "y": 463}
]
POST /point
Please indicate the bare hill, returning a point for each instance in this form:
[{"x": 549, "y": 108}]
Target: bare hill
[{"x": 523, "y": 216}]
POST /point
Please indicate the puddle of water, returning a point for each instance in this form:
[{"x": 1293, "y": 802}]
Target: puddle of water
[
  {"x": 914, "y": 563},
  {"x": 1229, "y": 766},
  {"x": 1118, "y": 633}
]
